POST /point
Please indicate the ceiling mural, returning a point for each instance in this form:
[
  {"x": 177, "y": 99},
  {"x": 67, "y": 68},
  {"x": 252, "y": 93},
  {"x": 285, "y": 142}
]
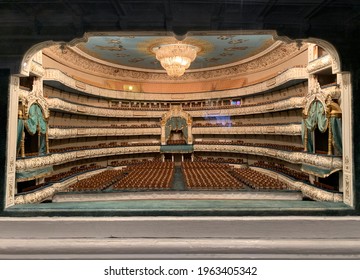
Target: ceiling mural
[{"x": 137, "y": 51}]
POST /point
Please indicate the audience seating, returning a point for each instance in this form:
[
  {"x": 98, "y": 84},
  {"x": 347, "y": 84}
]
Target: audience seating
[
  {"x": 209, "y": 176},
  {"x": 257, "y": 180},
  {"x": 71, "y": 172},
  {"x": 147, "y": 176},
  {"x": 242, "y": 143},
  {"x": 97, "y": 182},
  {"x": 102, "y": 145},
  {"x": 282, "y": 169}
]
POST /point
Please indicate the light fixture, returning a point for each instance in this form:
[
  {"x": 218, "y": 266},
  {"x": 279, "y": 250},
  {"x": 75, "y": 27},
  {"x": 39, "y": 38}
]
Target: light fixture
[{"x": 176, "y": 58}]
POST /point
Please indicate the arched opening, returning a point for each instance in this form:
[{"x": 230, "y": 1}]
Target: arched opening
[{"x": 242, "y": 115}]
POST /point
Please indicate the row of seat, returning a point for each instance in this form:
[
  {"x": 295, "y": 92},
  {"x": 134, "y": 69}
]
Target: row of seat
[
  {"x": 156, "y": 176},
  {"x": 231, "y": 124},
  {"x": 219, "y": 160},
  {"x": 283, "y": 169},
  {"x": 257, "y": 180},
  {"x": 209, "y": 176},
  {"x": 97, "y": 182},
  {"x": 109, "y": 126},
  {"x": 71, "y": 172},
  {"x": 242, "y": 143},
  {"x": 102, "y": 145}
]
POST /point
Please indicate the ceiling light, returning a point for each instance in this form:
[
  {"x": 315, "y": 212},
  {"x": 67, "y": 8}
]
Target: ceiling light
[{"x": 176, "y": 58}]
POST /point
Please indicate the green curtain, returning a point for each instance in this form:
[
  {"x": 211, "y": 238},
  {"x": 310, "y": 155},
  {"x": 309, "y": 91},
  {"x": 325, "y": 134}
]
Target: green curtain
[
  {"x": 316, "y": 116},
  {"x": 322, "y": 120},
  {"x": 20, "y": 130},
  {"x": 176, "y": 123},
  {"x": 42, "y": 148},
  {"x": 336, "y": 128},
  {"x": 35, "y": 119},
  {"x": 310, "y": 147}
]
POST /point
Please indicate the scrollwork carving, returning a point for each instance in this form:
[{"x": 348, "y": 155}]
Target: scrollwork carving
[
  {"x": 333, "y": 163},
  {"x": 54, "y": 159}
]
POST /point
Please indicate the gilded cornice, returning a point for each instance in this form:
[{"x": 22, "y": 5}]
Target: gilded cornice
[
  {"x": 329, "y": 162},
  {"x": 319, "y": 64},
  {"x": 287, "y": 104},
  {"x": 72, "y": 59},
  {"x": 55, "y": 159},
  {"x": 288, "y": 129},
  {"x": 61, "y": 133},
  {"x": 296, "y": 73}
]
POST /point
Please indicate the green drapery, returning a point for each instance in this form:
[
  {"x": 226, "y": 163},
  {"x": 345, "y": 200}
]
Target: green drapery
[
  {"x": 336, "y": 128},
  {"x": 20, "y": 131},
  {"x": 177, "y": 124},
  {"x": 35, "y": 120},
  {"x": 310, "y": 147},
  {"x": 42, "y": 148},
  {"x": 316, "y": 117}
]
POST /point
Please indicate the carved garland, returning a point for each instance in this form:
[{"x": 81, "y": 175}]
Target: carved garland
[
  {"x": 288, "y": 104},
  {"x": 54, "y": 159},
  {"x": 176, "y": 111},
  {"x": 293, "y": 157}
]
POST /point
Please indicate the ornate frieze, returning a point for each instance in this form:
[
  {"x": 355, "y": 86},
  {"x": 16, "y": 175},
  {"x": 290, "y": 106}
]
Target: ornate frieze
[
  {"x": 330, "y": 162},
  {"x": 60, "y": 133},
  {"x": 319, "y": 64},
  {"x": 55, "y": 159},
  {"x": 287, "y": 104},
  {"x": 296, "y": 73},
  {"x": 286, "y": 129}
]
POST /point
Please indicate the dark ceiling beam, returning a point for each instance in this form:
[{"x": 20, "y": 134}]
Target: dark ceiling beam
[
  {"x": 168, "y": 14},
  {"x": 217, "y": 16},
  {"x": 121, "y": 14},
  {"x": 316, "y": 9},
  {"x": 265, "y": 10}
]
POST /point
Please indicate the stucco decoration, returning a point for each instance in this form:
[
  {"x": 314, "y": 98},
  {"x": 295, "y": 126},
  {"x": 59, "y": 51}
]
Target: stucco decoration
[
  {"x": 286, "y": 104},
  {"x": 59, "y": 158},
  {"x": 329, "y": 162},
  {"x": 76, "y": 61},
  {"x": 176, "y": 112}
]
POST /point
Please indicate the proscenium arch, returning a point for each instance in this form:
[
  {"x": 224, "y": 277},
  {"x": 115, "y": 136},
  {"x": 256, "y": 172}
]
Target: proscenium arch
[{"x": 25, "y": 64}]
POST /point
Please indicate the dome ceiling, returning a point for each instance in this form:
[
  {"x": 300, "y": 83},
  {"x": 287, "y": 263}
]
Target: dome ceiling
[{"x": 136, "y": 52}]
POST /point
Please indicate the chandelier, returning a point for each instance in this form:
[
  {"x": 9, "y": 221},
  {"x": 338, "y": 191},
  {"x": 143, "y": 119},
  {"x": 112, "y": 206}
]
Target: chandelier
[{"x": 176, "y": 58}]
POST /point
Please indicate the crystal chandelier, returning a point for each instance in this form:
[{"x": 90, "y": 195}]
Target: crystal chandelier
[{"x": 176, "y": 58}]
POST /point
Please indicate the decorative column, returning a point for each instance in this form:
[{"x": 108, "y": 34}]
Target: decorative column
[
  {"x": 329, "y": 138},
  {"x": 39, "y": 139},
  {"x": 305, "y": 139},
  {"x": 346, "y": 108},
  {"x": 47, "y": 137}
]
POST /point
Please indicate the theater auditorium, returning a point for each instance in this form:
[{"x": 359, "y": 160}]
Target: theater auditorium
[{"x": 218, "y": 118}]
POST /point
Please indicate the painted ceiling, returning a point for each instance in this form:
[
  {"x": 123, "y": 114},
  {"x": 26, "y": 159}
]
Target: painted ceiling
[{"x": 136, "y": 51}]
